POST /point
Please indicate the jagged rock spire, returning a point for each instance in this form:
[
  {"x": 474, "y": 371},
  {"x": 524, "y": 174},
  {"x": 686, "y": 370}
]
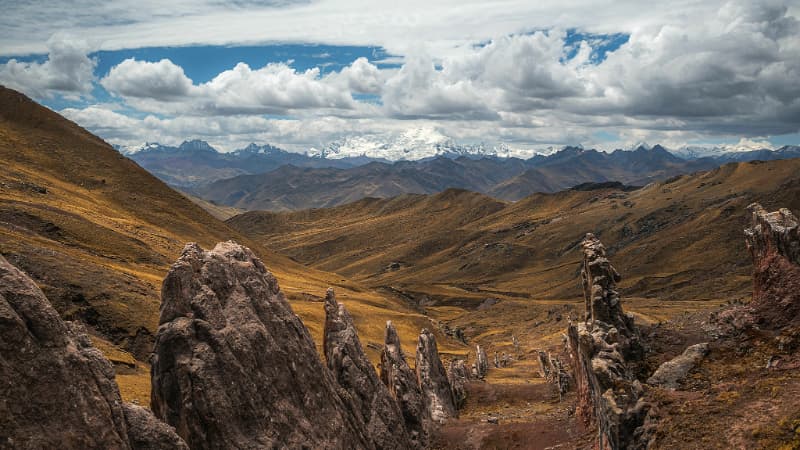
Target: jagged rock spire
[
  {"x": 402, "y": 384},
  {"x": 432, "y": 379},
  {"x": 234, "y": 367},
  {"x": 481, "y": 361},
  {"x": 773, "y": 240},
  {"x": 367, "y": 396},
  {"x": 603, "y": 350},
  {"x": 458, "y": 375}
]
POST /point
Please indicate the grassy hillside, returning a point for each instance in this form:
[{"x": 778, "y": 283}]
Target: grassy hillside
[
  {"x": 675, "y": 240},
  {"x": 98, "y": 233}
]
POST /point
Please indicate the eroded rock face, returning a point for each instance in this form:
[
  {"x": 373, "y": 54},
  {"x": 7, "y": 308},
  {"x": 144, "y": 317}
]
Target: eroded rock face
[
  {"x": 458, "y": 375},
  {"x": 773, "y": 240},
  {"x": 481, "y": 361},
  {"x": 56, "y": 389},
  {"x": 432, "y": 379},
  {"x": 368, "y": 396},
  {"x": 146, "y": 432},
  {"x": 234, "y": 367},
  {"x": 669, "y": 374},
  {"x": 402, "y": 384},
  {"x": 603, "y": 350}
]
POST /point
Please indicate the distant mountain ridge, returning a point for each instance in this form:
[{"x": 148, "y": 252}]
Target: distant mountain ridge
[
  {"x": 268, "y": 177},
  {"x": 294, "y": 188}
]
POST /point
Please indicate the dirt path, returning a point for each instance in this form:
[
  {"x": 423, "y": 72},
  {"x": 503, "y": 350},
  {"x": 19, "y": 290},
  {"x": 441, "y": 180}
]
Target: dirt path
[{"x": 528, "y": 412}]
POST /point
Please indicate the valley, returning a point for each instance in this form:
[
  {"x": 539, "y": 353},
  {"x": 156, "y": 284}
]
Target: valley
[{"x": 98, "y": 234}]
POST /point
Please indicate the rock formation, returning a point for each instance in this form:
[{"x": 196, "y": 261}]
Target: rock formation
[
  {"x": 402, "y": 384},
  {"x": 773, "y": 240},
  {"x": 669, "y": 374},
  {"x": 234, "y": 367},
  {"x": 481, "y": 362},
  {"x": 609, "y": 396},
  {"x": 552, "y": 370},
  {"x": 56, "y": 389},
  {"x": 458, "y": 375},
  {"x": 432, "y": 379},
  {"x": 146, "y": 432},
  {"x": 368, "y": 396}
]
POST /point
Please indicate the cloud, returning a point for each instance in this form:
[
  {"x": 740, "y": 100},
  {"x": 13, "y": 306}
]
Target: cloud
[
  {"x": 67, "y": 71},
  {"x": 530, "y": 72},
  {"x": 276, "y": 88},
  {"x": 161, "y": 80}
]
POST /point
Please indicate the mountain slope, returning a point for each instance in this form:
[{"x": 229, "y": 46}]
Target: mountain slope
[
  {"x": 98, "y": 233},
  {"x": 671, "y": 240},
  {"x": 292, "y": 188},
  {"x": 196, "y": 162},
  {"x": 573, "y": 166}
]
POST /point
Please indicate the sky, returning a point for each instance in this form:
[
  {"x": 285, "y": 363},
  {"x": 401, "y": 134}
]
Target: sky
[{"x": 301, "y": 74}]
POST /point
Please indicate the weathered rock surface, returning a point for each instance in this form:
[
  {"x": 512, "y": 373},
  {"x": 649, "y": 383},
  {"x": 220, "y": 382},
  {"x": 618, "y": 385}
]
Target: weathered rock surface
[
  {"x": 773, "y": 240},
  {"x": 234, "y": 367},
  {"x": 402, "y": 384},
  {"x": 481, "y": 361},
  {"x": 600, "y": 280},
  {"x": 458, "y": 375},
  {"x": 146, "y": 432},
  {"x": 432, "y": 379},
  {"x": 368, "y": 396},
  {"x": 552, "y": 370},
  {"x": 56, "y": 389},
  {"x": 609, "y": 396},
  {"x": 670, "y": 373}
]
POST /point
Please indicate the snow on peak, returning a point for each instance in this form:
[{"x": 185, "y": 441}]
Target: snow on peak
[{"x": 409, "y": 145}]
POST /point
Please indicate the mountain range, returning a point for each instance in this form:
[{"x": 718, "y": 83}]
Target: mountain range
[{"x": 294, "y": 188}]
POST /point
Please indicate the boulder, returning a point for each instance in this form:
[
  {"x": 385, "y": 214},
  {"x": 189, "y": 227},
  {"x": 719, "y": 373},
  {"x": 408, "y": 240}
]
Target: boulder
[
  {"x": 404, "y": 388},
  {"x": 669, "y": 374},
  {"x": 56, "y": 389},
  {"x": 432, "y": 379},
  {"x": 366, "y": 395},
  {"x": 234, "y": 367}
]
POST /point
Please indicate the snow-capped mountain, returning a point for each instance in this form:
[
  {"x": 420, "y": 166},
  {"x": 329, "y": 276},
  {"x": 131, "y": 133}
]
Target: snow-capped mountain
[
  {"x": 411, "y": 145},
  {"x": 701, "y": 151}
]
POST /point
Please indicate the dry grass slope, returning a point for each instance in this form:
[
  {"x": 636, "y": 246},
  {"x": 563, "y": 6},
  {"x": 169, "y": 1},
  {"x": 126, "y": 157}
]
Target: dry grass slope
[{"x": 98, "y": 233}]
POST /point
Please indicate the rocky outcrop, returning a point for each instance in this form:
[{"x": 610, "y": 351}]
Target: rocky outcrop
[
  {"x": 669, "y": 374},
  {"x": 600, "y": 293},
  {"x": 402, "y": 384},
  {"x": 481, "y": 362},
  {"x": 458, "y": 375},
  {"x": 773, "y": 240},
  {"x": 553, "y": 371},
  {"x": 603, "y": 350},
  {"x": 56, "y": 389},
  {"x": 432, "y": 379},
  {"x": 234, "y": 367},
  {"x": 367, "y": 395}
]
